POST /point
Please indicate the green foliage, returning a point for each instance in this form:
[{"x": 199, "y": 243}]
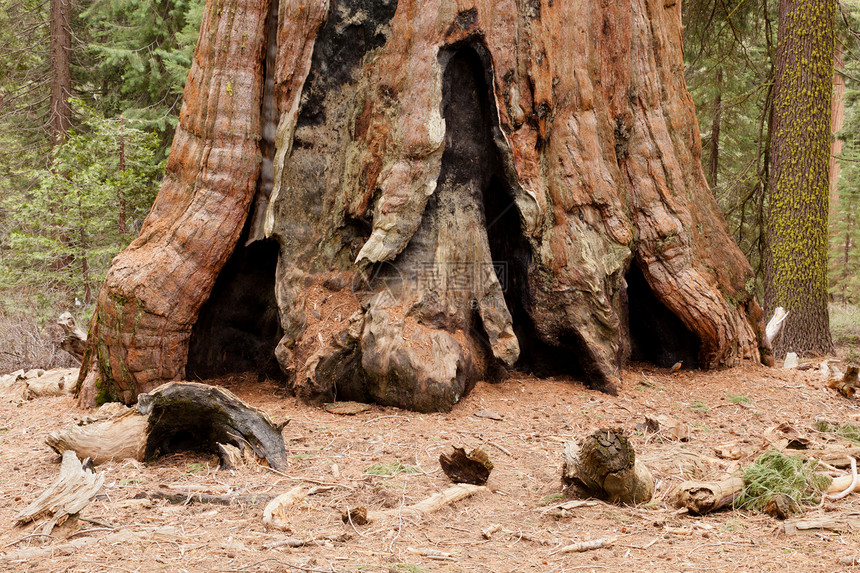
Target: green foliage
[
  {"x": 737, "y": 399},
  {"x": 698, "y": 406},
  {"x": 137, "y": 58},
  {"x": 380, "y": 469},
  {"x": 65, "y": 231},
  {"x": 774, "y": 472},
  {"x": 728, "y": 68},
  {"x": 848, "y": 431}
]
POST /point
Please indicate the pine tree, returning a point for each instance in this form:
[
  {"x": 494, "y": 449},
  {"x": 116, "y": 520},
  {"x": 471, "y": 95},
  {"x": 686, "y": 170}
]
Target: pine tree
[{"x": 799, "y": 176}]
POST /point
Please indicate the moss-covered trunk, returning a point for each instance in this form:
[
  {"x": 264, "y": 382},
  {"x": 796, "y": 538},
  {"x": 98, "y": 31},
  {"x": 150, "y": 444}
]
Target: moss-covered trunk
[
  {"x": 455, "y": 188},
  {"x": 799, "y": 174}
]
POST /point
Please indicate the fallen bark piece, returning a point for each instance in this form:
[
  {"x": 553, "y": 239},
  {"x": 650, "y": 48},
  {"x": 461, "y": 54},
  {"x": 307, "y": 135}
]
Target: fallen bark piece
[
  {"x": 460, "y": 467},
  {"x": 704, "y": 497},
  {"x": 70, "y": 493},
  {"x": 588, "y": 545},
  {"x": 168, "y": 533},
  {"x": 75, "y": 339},
  {"x": 843, "y": 522},
  {"x": 489, "y": 414},
  {"x": 277, "y": 512},
  {"x": 176, "y": 416},
  {"x": 605, "y": 466}
]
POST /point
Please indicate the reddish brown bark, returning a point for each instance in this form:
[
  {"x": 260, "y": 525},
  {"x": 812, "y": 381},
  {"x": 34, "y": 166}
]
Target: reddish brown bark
[
  {"x": 416, "y": 146},
  {"x": 61, "y": 73}
]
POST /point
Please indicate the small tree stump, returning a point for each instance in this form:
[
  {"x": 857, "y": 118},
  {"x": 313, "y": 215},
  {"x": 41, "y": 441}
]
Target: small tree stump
[
  {"x": 604, "y": 466},
  {"x": 460, "y": 467},
  {"x": 177, "y": 416}
]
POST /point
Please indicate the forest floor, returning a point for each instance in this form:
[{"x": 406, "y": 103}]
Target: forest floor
[{"x": 734, "y": 407}]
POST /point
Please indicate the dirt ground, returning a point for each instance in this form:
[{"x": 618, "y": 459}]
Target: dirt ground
[{"x": 728, "y": 407}]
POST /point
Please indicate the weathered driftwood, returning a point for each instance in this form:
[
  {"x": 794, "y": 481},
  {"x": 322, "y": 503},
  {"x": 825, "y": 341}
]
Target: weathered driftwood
[
  {"x": 604, "y": 466},
  {"x": 70, "y": 493},
  {"x": 460, "y": 467},
  {"x": 427, "y": 506},
  {"x": 703, "y": 497},
  {"x": 74, "y": 338},
  {"x": 178, "y": 415}
]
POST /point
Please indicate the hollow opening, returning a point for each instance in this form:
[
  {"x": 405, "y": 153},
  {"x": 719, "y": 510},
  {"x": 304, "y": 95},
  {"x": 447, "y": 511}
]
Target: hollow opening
[
  {"x": 657, "y": 335},
  {"x": 183, "y": 426},
  {"x": 472, "y": 154},
  {"x": 239, "y": 327}
]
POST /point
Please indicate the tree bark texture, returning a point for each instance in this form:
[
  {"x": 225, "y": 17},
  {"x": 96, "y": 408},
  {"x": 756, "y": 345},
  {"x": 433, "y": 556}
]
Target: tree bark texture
[
  {"x": 799, "y": 175},
  {"x": 61, "y": 70},
  {"x": 455, "y": 186}
]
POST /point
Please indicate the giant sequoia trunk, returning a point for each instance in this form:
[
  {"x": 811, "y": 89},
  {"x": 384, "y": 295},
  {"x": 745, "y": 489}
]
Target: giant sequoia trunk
[{"x": 396, "y": 198}]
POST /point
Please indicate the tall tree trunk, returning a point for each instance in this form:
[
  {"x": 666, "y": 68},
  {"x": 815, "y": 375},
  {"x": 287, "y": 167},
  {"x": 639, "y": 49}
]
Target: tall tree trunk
[
  {"x": 714, "y": 159},
  {"x": 61, "y": 74},
  {"x": 456, "y": 187},
  {"x": 799, "y": 177}
]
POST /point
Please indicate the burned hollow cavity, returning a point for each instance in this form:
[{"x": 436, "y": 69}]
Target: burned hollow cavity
[
  {"x": 474, "y": 154},
  {"x": 239, "y": 326},
  {"x": 656, "y": 334}
]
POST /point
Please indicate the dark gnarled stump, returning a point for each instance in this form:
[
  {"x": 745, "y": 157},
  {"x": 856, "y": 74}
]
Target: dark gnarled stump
[{"x": 397, "y": 198}]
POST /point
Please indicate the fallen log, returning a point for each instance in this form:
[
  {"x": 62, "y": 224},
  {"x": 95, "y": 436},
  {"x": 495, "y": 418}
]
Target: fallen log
[
  {"x": 177, "y": 416},
  {"x": 704, "y": 497},
  {"x": 605, "y": 466},
  {"x": 70, "y": 493}
]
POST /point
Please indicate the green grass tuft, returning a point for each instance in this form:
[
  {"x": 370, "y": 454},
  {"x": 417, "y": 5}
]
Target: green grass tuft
[
  {"x": 737, "y": 399},
  {"x": 698, "y": 406},
  {"x": 774, "y": 472},
  {"x": 380, "y": 469},
  {"x": 848, "y": 431}
]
